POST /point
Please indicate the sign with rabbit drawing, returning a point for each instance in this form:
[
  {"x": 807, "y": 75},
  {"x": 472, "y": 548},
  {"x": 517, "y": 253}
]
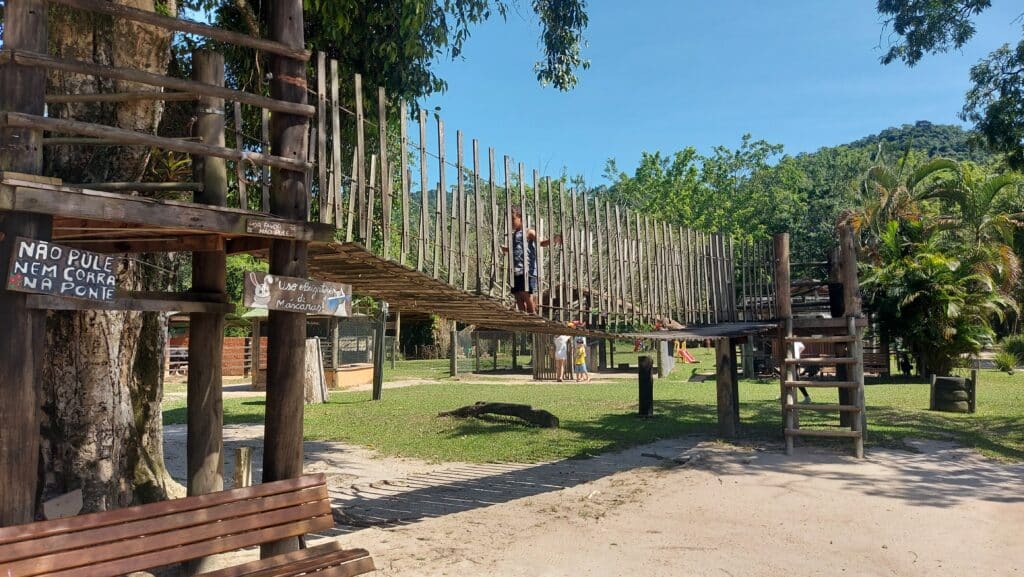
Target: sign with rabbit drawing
[{"x": 297, "y": 295}]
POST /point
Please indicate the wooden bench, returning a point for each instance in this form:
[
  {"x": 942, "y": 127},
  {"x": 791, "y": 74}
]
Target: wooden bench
[{"x": 113, "y": 543}]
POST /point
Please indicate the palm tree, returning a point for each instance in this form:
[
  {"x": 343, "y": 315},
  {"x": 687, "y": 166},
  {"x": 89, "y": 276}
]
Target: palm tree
[
  {"x": 982, "y": 220},
  {"x": 941, "y": 307},
  {"x": 887, "y": 196}
]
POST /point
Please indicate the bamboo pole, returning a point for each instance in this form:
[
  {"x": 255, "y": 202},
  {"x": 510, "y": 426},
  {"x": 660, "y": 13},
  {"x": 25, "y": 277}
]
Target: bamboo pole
[
  {"x": 385, "y": 174},
  {"x": 336, "y": 169},
  {"x": 424, "y": 196},
  {"x": 406, "y": 179}
]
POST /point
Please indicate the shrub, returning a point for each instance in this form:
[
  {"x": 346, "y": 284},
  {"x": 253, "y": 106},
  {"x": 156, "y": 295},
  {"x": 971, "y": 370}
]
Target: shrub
[
  {"x": 1014, "y": 344},
  {"x": 1006, "y": 361}
]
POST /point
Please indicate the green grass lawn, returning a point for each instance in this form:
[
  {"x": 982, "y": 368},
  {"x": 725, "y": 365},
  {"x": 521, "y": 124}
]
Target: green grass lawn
[{"x": 599, "y": 417}]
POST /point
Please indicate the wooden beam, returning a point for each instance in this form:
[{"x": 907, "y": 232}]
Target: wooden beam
[
  {"x": 187, "y": 26},
  {"x": 189, "y": 243},
  {"x": 56, "y": 303},
  {"x": 18, "y": 120},
  {"x": 121, "y": 96},
  {"x": 141, "y": 186},
  {"x": 94, "y": 205},
  {"x": 204, "y": 410},
  {"x": 22, "y": 343},
  {"x": 286, "y": 354},
  {"x": 26, "y": 58}
]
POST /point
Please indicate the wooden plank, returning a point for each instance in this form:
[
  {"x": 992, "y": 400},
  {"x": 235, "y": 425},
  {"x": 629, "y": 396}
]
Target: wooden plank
[
  {"x": 360, "y": 191},
  {"x": 564, "y": 289},
  {"x": 370, "y": 204},
  {"x": 406, "y": 178},
  {"x": 441, "y": 238},
  {"x": 538, "y": 230},
  {"x": 478, "y": 217},
  {"x": 335, "y": 203},
  {"x": 551, "y": 257},
  {"x": 186, "y": 243},
  {"x": 508, "y": 274},
  {"x": 822, "y": 339},
  {"x": 821, "y": 384},
  {"x": 353, "y": 193},
  {"x": 132, "y": 96},
  {"x": 63, "y": 525},
  {"x": 588, "y": 260},
  {"x": 286, "y": 353},
  {"x": 28, "y": 58},
  {"x": 495, "y": 283},
  {"x": 186, "y": 26},
  {"x": 460, "y": 191},
  {"x": 159, "y": 213},
  {"x": 602, "y": 291},
  {"x": 831, "y": 408},
  {"x": 575, "y": 286},
  {"x": 265, "y": 149},
  {"x": 306, "y": 561},
  {"x": 243, "y": 196},
  {"x": 18, "y": 120},
  {"x": 840, "y": 433},
  {"x": 424, "y": 195},
  {"x": 323, "y": 187},
  {"x": 141, "y": 186},
  {"x": 385, "y": 171},
  {"x": 620, "y": 266},
  {"x": 822, "y": 361}
]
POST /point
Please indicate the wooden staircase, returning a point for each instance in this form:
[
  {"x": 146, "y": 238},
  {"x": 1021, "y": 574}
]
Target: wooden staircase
[{"x": 850, "y": 408}]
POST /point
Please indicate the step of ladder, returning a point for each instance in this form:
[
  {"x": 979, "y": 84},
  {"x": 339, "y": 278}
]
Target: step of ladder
[
  {"x": 829, "y": 339},
  {"x": 823, "y": 407},
  {"x": 841, "y": 433},
  {"x": 822, "y": 384},
  {"x": 823, "y": 361}
]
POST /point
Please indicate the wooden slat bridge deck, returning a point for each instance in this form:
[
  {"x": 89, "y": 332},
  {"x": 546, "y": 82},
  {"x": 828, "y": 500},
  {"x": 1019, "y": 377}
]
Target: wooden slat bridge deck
[
  {"x": 719, "y": 331},
  {"x": 407, "y": 288}
]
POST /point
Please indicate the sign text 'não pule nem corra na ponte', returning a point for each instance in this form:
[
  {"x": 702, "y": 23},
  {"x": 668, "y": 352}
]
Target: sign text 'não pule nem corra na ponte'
[{"x": 42, "y": 267}]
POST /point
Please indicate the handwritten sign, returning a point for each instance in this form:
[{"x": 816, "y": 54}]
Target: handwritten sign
[
  {"x": 46, "y": 268},
  {"x": 297, "y": 295},
  {"x": 271, "y": 228}
]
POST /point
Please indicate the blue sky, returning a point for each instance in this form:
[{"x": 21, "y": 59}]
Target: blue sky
[{"x": 669, "y": 74}]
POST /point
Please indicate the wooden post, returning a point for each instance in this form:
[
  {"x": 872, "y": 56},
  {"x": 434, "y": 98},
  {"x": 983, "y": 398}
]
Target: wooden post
[
  {"x": 646, "y": 382},
  {"x": 205, "y": 443},
  {"x": 396, "y": 339},
  {"x": 321, "y": 134},
  {"x": 360, "y": 173},
  {"x": 748, "y": 358},
  {"x": 22, "y": 345},
  {"x": 265, "y": 148},
  {"x": 784, "y": 311},
  {"x": 440, "y": 242},
  {"x": 495, "y": 283},
  {"x": 453, "y": 368},
  {"x": 406, "y": 178},
  {"x": 424, "y": 196},
  {"x": 478, "y": 219},
  {"x": 385, "y": 175},
  {"x": 458, "y": 205},
  {"x": 243, "y": 467},
  {"x": 725, "y": 379},
  {"x": 851, "y": 308},
  {"x": 334, "y": 203},
  {"x": 286, "y": 354},
  {"x": 972, "y": 400},
  {"x": 378, "y": 351}
]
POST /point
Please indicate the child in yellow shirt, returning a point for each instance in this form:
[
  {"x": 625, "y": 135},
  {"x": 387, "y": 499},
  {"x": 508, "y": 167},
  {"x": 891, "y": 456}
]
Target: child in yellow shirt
[{"x": 580, "y": 361}]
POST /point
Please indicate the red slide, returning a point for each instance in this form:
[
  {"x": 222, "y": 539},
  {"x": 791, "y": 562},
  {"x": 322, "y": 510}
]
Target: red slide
[{"x": 687, "y": 356}]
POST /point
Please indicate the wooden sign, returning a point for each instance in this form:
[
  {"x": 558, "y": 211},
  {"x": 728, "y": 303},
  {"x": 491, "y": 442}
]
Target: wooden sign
[
  {"x": 297, "y": 295},
  {"x": 42, "y": 267},
  {"x": 271, "y": 228}
]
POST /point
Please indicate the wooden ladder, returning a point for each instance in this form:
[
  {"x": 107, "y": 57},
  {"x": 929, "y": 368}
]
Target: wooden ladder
[{"x": 854, "y": 382}]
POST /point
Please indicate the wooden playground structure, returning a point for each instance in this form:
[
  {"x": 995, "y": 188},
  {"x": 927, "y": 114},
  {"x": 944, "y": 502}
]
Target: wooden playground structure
[{"x": 319, "y": 207}]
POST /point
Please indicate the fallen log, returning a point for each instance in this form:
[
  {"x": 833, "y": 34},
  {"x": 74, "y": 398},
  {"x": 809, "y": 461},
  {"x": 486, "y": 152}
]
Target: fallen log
[{"x": 537, "y": 417}]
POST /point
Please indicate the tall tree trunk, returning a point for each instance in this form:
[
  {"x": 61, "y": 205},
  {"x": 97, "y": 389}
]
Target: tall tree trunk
[{"x": 103, "y": 381}]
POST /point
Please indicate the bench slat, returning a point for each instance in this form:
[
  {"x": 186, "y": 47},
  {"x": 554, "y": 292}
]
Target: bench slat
[
  {"x": 193, "y": 550},
  {"x": 105, "y": 518},
  {"x": 152, "y": 525},
  {"x": 303, "y": 561},
  {"x": 355, "y": 567}
]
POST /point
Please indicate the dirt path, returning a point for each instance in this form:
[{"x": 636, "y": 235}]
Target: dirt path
[{"x": 677, "y": 507}]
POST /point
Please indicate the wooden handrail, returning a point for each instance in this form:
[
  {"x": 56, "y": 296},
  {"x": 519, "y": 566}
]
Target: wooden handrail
[
  {"x": 182, "y": 25},
  {"x": 132, "y": 137},
  {"x": 179, "y": 84}
]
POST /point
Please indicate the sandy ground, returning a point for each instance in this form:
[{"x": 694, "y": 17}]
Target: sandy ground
[{"x": 676, "y": 507}]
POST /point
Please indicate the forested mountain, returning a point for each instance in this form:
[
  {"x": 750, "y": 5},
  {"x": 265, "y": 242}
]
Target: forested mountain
[{"x": 945, "y": 140}]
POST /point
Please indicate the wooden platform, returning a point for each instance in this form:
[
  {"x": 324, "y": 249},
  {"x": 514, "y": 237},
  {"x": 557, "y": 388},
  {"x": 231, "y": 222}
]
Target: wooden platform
[
  {"x": 407, "y": 288},
  {"x": 121, "y": 223},
  {"x": 719, "y": 331}
]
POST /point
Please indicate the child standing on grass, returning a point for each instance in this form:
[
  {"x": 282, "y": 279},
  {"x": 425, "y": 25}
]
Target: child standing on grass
[{"x": 581, "y": 362}]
